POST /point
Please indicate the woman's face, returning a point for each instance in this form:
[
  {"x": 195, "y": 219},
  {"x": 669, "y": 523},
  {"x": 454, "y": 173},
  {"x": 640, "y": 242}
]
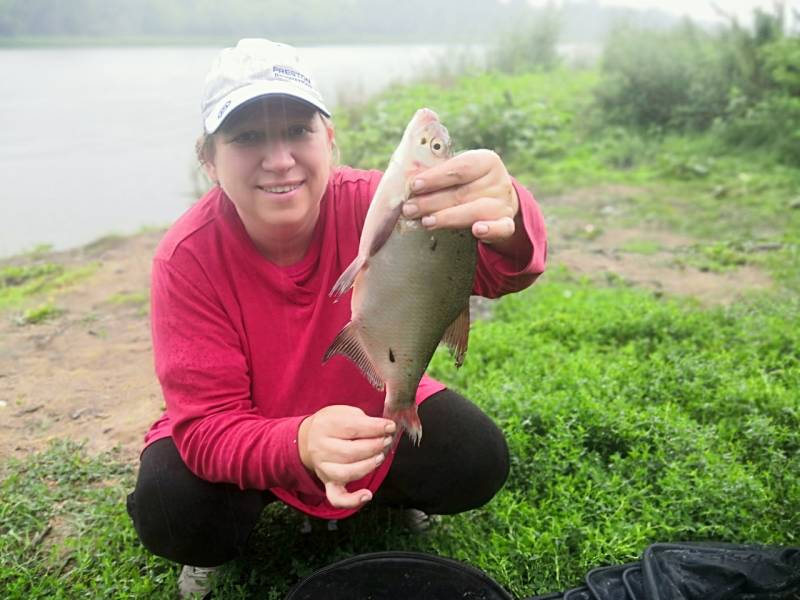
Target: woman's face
[{"x": 273, "y": 158}]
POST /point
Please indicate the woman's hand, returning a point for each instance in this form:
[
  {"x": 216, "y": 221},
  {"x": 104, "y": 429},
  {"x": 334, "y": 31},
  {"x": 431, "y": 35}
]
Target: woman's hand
[
  {"x": 471, "y": 190},
  {"x": 340, "y": 444}
]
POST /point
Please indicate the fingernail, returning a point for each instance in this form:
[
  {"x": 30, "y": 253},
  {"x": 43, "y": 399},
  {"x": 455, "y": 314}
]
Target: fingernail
[
  {"x": 481, "y": 229},
  {"x": 365, "y": 498},
  {"x": 410, "y": 209},
  {"x": 387, "y": 441},
  {"x": 379, "y": 459},
  {"x": 390, "y": 428},
  {"x": 428, "y": 221},
  {"x": 417, "y": 185}
]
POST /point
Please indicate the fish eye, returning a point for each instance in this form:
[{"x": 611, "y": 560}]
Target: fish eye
[{"x": 437, "y": 146}]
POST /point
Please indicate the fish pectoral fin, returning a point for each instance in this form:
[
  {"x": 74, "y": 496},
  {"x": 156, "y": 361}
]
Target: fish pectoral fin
[
  {"x": 386, "y": 225},
  {"x": 347, "y": 344},
  {"x": 457, "y": 336},
  {"x": 346, "y": 279}
]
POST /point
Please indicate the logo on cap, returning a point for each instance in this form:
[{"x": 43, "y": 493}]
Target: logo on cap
[
  {"x": 223, "y": 109},
  {"x": 283, "y": 73}
]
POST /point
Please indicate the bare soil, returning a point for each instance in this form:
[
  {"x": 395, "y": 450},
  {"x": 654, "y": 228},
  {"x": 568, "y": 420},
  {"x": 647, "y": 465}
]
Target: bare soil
[{"x": 88, "y": 375}]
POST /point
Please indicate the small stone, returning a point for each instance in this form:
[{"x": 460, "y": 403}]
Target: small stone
[{"x": 305, "y": 526}]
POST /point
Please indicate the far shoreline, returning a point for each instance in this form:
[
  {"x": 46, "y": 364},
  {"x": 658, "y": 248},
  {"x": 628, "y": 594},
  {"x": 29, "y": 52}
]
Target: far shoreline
[
  {"x": 82, "y": 41},
  {"x": 45, "y": 249}
]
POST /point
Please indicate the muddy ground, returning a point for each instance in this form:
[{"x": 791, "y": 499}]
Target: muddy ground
[{"x": 87, "y": 374}]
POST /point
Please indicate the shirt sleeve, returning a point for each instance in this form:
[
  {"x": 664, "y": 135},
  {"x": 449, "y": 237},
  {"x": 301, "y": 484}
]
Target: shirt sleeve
[
  {"x": 206, "y": 384},
  {"x": 499, "y": 274}
]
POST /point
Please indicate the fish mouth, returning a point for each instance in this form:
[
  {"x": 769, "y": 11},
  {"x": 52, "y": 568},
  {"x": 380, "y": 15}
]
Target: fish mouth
[{"x": 280, "y": 188}]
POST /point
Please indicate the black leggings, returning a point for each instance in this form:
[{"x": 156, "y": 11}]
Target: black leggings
[{"x": 461, "y": 464}]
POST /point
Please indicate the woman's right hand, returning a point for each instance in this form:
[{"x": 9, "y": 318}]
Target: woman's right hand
[{"x": 340, "y": 444}]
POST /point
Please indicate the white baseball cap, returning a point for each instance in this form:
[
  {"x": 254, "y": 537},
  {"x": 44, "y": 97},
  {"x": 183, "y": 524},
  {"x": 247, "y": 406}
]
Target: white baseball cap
[{"x": 253, "y": 69}]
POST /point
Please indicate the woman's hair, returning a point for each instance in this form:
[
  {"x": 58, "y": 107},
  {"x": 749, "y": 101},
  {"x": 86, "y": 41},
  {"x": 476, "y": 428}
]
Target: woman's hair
[{"x": 204, "y": 146}]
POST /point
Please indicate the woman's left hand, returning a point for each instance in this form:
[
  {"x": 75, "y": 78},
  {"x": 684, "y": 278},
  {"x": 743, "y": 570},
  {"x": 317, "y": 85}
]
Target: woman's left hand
[{"x": 471, "y": 190}]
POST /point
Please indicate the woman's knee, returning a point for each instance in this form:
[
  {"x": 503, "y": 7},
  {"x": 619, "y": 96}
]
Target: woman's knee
[
  {"x": 188, "y": 520},
  {"x": 461, "y": 463}
]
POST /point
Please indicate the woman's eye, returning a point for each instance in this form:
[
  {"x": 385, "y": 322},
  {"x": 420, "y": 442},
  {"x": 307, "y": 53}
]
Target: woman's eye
[
  {"x": 248, "y": 137},
  {"x": 296, "y": 131}
]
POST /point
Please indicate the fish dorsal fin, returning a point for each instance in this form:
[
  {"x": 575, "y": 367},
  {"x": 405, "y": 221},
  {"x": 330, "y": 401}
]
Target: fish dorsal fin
[
  {"x": 347, "y": 344},
  {"x": 457, "y": 336}
]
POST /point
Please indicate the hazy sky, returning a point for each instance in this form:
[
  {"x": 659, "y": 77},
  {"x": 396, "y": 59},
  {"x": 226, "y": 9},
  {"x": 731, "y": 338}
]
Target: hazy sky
[{"x": 697, "y": 9}]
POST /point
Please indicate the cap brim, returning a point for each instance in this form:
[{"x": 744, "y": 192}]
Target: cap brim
[{"x": 227, "y": 105}]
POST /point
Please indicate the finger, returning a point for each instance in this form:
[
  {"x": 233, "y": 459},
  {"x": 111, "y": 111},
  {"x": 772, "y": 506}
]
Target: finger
[
  {"x": 333, "y": 471},
  {"x": 425, "y": 204},
  {"x": 339, "y": 497},
  {"x": 491, "y": 232},
  {"x": 464, "y": 216},
  {"x": 351, "y": 451},
  {"x": 353, "y": 428},
  {"x": 459, "y": 170}
]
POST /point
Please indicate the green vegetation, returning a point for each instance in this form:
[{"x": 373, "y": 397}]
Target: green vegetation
[
  {"x": 745, "y": 84},
  {"x": 631, "y": 417},
  {"x": 65, "y": 533},
  {"x": 140, "y": 301},
  {"x": 20, "y": 284},
  {"x": 630, "y": 420},
  {"x": 130, "y": 298},
  {"x": 38, "y": 314}
]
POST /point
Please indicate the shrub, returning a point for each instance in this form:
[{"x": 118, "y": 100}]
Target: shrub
[
  {"x": 667, "y": 79},
  {"x": 531, "y": 46}
]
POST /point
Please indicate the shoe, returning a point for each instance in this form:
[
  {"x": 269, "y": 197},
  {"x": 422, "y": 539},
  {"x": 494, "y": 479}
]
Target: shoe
[
  {"x": 417, "y": 521},
  {"x": 195, "y": 582}
]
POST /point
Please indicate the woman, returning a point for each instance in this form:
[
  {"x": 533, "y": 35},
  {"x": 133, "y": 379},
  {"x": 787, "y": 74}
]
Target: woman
[{"x": 241, "y": 319}]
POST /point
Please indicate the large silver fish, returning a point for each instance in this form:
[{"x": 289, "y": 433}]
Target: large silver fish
[{"x": 411, "y": 286}]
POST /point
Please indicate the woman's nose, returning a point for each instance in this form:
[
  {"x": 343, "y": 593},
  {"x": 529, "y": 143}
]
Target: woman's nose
[{"x": 278, "y": 156}]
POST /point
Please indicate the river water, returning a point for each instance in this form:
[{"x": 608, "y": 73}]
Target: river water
[{"x": 96, "y": 141}]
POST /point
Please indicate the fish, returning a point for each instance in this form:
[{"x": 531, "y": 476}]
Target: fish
[{"x": 411, "y": 286}]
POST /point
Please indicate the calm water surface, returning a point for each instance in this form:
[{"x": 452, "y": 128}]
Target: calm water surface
[{"x": 100, "y": 140}]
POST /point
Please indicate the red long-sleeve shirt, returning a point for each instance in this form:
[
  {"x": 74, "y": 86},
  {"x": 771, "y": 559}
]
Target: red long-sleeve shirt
[{"x": 238, "y": 341}]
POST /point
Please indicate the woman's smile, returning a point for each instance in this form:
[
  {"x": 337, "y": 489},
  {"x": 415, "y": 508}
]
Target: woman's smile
[{"x": 282, "y": 189}]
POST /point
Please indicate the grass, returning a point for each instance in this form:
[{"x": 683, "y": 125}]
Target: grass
[
  {"x": 65, "y": 532},
  {"x": 40, "y": 313},
  {"x": 631, "y": 419},
  {"x": 19, "y": 285}
]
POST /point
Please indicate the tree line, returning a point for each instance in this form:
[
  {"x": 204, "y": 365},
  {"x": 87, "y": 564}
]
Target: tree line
[{"x": 420, "y": 20}]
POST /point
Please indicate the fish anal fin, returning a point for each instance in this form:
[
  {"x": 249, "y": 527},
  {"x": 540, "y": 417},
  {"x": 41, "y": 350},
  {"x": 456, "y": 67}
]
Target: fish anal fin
[
  {"x": 456, "y": 336},
  {"x": 346, "y": 279},
  {"x": 348, "y": 344}
]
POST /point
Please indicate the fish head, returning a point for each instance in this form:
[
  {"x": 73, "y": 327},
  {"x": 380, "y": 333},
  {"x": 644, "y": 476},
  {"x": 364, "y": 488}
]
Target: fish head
[{"x": 426, "y": 141}]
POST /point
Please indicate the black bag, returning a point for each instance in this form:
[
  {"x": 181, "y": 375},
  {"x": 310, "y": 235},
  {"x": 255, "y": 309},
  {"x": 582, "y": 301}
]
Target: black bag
[{"x": 685, "y": 571}]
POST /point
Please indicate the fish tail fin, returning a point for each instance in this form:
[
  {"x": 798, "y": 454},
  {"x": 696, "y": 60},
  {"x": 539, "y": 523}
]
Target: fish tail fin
[
  {"x": 408, "y": 419},
  {"x": 348, "y": 344},
  {"x": 346, "y": 279}
]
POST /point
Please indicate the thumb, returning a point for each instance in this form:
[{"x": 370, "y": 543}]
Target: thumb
[{"x": 339, "y": 497}]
